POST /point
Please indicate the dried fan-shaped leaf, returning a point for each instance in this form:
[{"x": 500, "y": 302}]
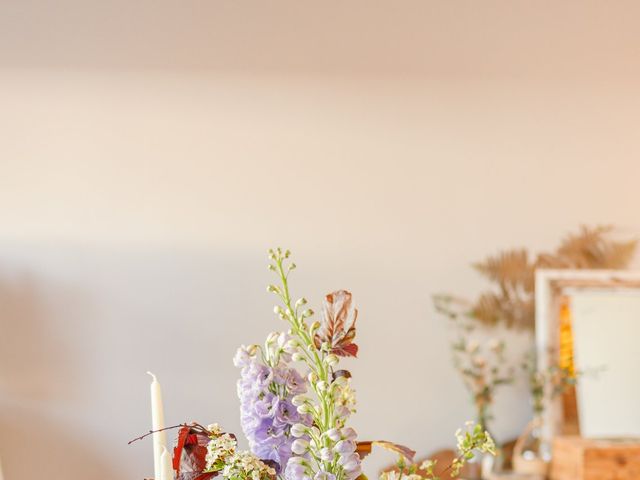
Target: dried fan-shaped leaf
[
  {"x": 488, "y": 309},
  {"x": 514, "y": 275},
  {"x": 338, "y": 326},
  {"x": 491, "y": 309},
  {"x": 592, "y": 248},
  {"x": 550, "y": 260},
  {"x": 508, "y": 268},
  {"x": 364, "y": 448}
]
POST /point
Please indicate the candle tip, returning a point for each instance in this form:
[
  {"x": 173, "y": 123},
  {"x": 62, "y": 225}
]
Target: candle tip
[{"x": 152, "y": 376}]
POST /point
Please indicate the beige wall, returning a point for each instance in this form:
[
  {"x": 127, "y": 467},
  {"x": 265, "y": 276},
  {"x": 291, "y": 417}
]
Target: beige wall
[{"x": 136, "y": 205}]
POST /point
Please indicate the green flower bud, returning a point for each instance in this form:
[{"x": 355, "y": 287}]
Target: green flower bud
[
  {"x": 273, "y": 336},
  {"x": 252, "y": 349},
  {"x": 340, "y": 381},
  {"x": 332, "y": 359},
  {"x": 299, "y": 429},
  {"x": 299, "y": 400}
]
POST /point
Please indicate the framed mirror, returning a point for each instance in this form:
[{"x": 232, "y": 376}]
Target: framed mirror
[{"x": 589, "y": 320}]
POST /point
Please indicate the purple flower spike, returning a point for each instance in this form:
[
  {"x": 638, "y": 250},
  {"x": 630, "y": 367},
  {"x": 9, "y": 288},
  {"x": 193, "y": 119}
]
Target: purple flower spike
[{"x": 266, "y": 410}]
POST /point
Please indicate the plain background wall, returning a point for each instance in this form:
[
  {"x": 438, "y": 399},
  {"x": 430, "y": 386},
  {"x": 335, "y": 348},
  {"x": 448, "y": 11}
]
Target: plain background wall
[{"x": 150, "y": 153}]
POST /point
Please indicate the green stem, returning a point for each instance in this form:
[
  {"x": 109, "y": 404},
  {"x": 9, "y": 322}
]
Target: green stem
[{"x": 325, "y": 418}]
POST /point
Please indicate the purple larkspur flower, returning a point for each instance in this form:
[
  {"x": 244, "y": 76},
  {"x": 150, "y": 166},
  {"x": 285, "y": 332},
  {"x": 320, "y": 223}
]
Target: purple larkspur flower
[
  {"x": 286, "y": 414},
  {"x": 266, "y": 406},
  {"x": 295, "y": 383},
  {"x": 351, "y": 464},
  {"x": 266, "y": 410},
  {"x": 345, "y": 447}
]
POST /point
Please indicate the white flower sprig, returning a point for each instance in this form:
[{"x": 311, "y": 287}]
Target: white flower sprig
[
  {"x": 471, "y": 440},
  {"x": 223, "y": 457},
  {"x": 484, "y": 369}
]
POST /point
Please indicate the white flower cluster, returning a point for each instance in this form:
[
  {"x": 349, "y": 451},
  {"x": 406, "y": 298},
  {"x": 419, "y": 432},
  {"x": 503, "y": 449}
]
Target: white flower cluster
[
  {"x": 222, "y": 456},
  {"x": 397, "y": 475},
  {"x": 219, "y": 449},
  {"x": 345, "y": 398},
  {"x": 245, "y": 465}
]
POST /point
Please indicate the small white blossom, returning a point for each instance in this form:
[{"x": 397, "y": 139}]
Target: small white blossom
[
  {"x": 299, "y": 429},
  {"x": 299, "y": 446},
  {"x": 334, "y": 434},
  {"x": 299, "y": 400},
  {"x": 272, "y": 337},
  {"x": 326, "y": 454},
  {"x": 348, "y": 433}
]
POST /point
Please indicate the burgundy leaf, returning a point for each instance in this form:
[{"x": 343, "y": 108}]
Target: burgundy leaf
[{"x": 189, "y": 454}]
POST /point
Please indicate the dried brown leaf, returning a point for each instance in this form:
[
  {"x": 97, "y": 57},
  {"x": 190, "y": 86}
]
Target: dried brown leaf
[
  {"x": 338, "y": 325},
  {"x": 593, "y": 248},
  {"x": 364, "y": 448},
  {"x": 509, "y": 269}
]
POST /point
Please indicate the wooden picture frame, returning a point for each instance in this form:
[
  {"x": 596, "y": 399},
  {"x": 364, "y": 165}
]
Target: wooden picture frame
[{"x": 552, "y": 288}]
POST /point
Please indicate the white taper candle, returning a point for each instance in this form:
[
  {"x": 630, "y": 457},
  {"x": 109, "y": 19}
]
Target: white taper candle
[
  {"x": 157, "y": 422},
  {"x": 166, "y": 472}
]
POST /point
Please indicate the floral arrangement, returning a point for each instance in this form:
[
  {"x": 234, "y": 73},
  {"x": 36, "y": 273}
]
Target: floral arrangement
[
  {"x": 483, "y": 370},
  {"x": 295, "y": 403},
  {"x": 482, "y": 364}
]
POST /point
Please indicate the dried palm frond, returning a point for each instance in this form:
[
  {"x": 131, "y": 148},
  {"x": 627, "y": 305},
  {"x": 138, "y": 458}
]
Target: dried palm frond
[
  {"x": 510, "y": 268},
  {"x": 511, "y": 301},
  {"x": 514, "y": 312},
  {"x": 488, "y": 309},
  {"x": 590, "y": 248}
]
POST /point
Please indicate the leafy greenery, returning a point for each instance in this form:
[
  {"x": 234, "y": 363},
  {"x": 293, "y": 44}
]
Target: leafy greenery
[{"x": 471, "y": 441}]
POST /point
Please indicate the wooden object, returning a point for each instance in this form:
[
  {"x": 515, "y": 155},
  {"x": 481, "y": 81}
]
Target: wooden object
[
  {"x": 577, "y": 458},
  {"x": 534, "y": 466},
  {"x": 442, "y": 457},
  {"x": 515, "y": 476}
]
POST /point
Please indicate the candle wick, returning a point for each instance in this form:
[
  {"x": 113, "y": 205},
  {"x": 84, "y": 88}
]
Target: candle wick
[{"x": 153, "y": 376}]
